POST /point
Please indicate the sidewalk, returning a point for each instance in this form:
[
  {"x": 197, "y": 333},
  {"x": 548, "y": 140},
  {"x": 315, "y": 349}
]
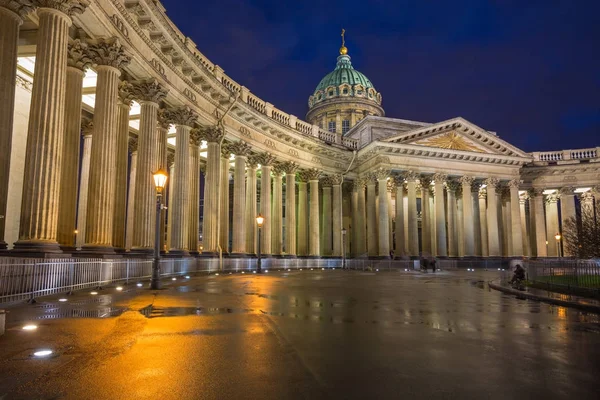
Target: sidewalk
[{"x": 565, "y": 300}]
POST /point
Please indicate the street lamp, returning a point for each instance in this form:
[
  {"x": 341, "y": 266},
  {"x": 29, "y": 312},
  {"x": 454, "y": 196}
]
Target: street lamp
[
  {"x": 344, "y": 248},
  {"x": 259, "y": 222},
  {"x": 558, "y": 237},
  {"x": 160, "y": 180}
]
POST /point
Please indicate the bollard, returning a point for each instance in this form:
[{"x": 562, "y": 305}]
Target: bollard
[{"x": 2, "y": 321}]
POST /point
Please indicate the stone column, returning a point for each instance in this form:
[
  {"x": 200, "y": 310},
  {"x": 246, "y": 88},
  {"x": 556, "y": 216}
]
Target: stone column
[
  {"x": 552, "y": 223},
  {"x": 425, "y": 183},
  {"x": 277, "y": 210},
  {"x": 240, "y": 150},
  {"x": 87, "y": 127},
  {"x": 171, "y": 169},
  {"x": 524, "y": 230},
  {"x": 326, "y": 221},
  {"x": 78, "y": 61},
  {"x": 250, "y": 213},
  {"x": 43, "y": 155},
  {"x": 303, "y": 178},
  {"x": 313, "y": 224},
  {"x": 11, "y": 18},
  {"x": 413, "y": 228},
  {"x": 290, "y": 168},
  {"x": 184, "y": 120},
  {"x": 361, "y": 225},
  {"x": 224, "y": 200},
  {"x": 399, "y": 230},
  {"x": 353, "y": 238},
  {"x": 483, "y": 225},
  {"x": 515, "y": 217},
  {"x": 467, "y": 182},
  {"x": 266, "y": 161},
  {"x": 476, "y": 219},
  {"x": 505, "y": 222},
  {"x": 460, "y": 226},
  {"x": 567, "y": 211},
  {"x": 372, "y": 235},
  {"x": 194, "y": 192},
  {"x": 539, "y": 221},
  {"x": 384, "y": 216},
  {"x": 337, "y": 181},
  {"x": 121, "y": 170},
  {"x": 210, "y": 228},
  {"x": 133, "y": 145},
  {"x": 110, "y": 58},
  {"x": 493, "y": 233},
  {"x": 440, "y": 214},
  {"x": 452, "y": 187},
  {"x": 149, "y": 94},
  {"x": 163, "y": 125},
  {"x": 391, "y": 188},
  {"x": 587, "y": 204}
]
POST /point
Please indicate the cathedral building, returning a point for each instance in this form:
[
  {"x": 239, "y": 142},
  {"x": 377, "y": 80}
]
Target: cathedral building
[{"x": 98, "y": 95}]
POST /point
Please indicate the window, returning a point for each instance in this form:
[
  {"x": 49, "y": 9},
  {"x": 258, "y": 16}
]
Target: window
[
  {"x": 345, "y": 126},
  {"x": 331, "y": 127},
  {"x": 359, "y": 92},
  {"x": 345, "y": 90},
  {"x": 331, "y": 93},
  {"x": 320, "y": 124}
]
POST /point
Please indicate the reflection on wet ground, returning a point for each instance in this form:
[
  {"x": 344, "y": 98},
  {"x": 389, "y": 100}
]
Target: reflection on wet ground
[{"x": 424, "y": 335}]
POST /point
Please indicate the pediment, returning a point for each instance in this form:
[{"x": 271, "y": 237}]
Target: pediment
[{"x": 458, "y": 134}]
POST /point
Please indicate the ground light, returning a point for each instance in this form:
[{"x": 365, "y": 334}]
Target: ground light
[
  {"x": 139, "y": 285},
  {"x": 266, "y": 270},
  {"x": 217, "y": 274},
  {"x": 253, "y": 272},
  {"x": 42, "y": 353},
  {"x": 119, "y": 288},
  {"x": 187, "y": 277},
  {"x": 62, "y": 300},
  {"x": 93, "y": 293},
  {"x": 30, "y": 327},
  {"x": 173, "y": 279}
]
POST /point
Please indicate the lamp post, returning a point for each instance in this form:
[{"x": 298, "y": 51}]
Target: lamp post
[
  {"x": 344, "y": 248},
  {"x": 558, "y": 237},
  {"x": 259, "y": 222},
  {"x": 160, "y": 180}
]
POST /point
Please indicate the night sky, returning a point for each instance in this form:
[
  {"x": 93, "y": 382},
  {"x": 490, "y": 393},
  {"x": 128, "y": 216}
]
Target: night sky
[{"x": 528, "y": 70}]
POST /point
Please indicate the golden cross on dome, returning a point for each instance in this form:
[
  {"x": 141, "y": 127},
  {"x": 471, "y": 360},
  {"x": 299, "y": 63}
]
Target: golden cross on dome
[{"x": 343, "y": 49}]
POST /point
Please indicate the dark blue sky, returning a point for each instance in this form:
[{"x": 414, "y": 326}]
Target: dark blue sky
[{"x": 528, "y": 70}]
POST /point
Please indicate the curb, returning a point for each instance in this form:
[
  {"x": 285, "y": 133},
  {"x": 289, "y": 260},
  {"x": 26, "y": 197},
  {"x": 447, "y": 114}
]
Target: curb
[{"x": 564, "y": 303}]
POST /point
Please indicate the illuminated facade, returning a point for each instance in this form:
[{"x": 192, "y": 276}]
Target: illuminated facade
[{"x": 105, "y": 93}]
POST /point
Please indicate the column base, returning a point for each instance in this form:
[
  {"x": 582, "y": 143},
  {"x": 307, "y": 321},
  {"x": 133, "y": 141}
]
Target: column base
[
  {"x": 37, "y": 248},
  {"x": 240, "y": 255},
  {"x": 208, "y": 254},
  {"x": 3, "y": 245},
  {"x": 379, "y": 257},
  {"x": 140, "y": 252},
  {"x": 88, "y": 251},
  {"x": 175, "y": 253}
]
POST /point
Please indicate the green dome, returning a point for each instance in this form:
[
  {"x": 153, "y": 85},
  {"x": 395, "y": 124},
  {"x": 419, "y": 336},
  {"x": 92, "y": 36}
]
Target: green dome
[
  {"x": 344, "y": 82},
  {"x": 344, "y": 73}
]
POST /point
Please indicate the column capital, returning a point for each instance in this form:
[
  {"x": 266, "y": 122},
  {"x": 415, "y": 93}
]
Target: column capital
[
  {"x": 202, "y": 168},
  {"x": 311, "y": 174},
  {"x": 290, "y": 167},
  {"x": 125, "y": 93},
  {"x": 149, "y": 90},
  {"x": 78, "y": 55},
  {"x": 452, "y": 185},
  {"x": 195, "y": 137},
  {"x": 336, "y": 179},
  {"x": 439, "y": 177},
  {"x": 87, "y": 127},
  {"x": 536, "y": 192},
  {"x": 170, "y": 159},
  {"x": 567, "y": 191},
  {"x": 410, "y": 176},
  {"x": 482, "y": 194},
  {"x": 278, "y": 169},
  {"x": 183, "y": 116},
  {"x": 326, "y": 181},
  {"x": 381, "y": 173},
  {"x": 587, "y": 197},
  {"x": 551, "y": 198},
  {"x": 504, "y": 192},
  {"x": 514, "y": 183},
  {"x": 265, "y": 159},
  {"x": 212, "y": 134},
  {"x": 225, "y": 152},
  {"x": 425, "y": 180},
  {"x": 19, "y": 7},
  {"x": 360, "y": 183},
  {"x": 68, "y": 7},
  {"x": 163, "y": 119},
  {"x": 466, "y": 180},
  {"x": 108, "y": 52},
  {"x": 240, "y": 148},
  {"x": 132, "y": 145},
  {"x": 492, "y": 183},
  {"x": 391, "y": 185},
  {"x": 251, "y": 161}
]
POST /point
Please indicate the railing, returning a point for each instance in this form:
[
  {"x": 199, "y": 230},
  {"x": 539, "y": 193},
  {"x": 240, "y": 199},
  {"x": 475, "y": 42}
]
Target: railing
[
  {"x": 256, "y": 103},
  {"x": 562, "y": 155},
  {"x": 350, "y": 143},
  {"x": 565, "y": 273},
  {"x": 304, "y": 127},
  {"x": 230, "y": 84},
  {"x": 281, "y": 117},
  {"x": 22, "y": 279},
  {"x": 326, "y": 136}
]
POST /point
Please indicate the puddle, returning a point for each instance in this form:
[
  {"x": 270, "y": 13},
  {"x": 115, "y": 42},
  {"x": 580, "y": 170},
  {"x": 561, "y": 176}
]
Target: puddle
[{"x": 153, "y": 312}]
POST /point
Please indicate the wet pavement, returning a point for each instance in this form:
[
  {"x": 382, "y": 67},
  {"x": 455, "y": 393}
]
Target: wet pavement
[{"x": 302, "y": 334}]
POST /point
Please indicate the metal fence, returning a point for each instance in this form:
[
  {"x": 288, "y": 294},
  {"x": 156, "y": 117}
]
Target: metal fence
[{"x": 565, "y": 273}]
